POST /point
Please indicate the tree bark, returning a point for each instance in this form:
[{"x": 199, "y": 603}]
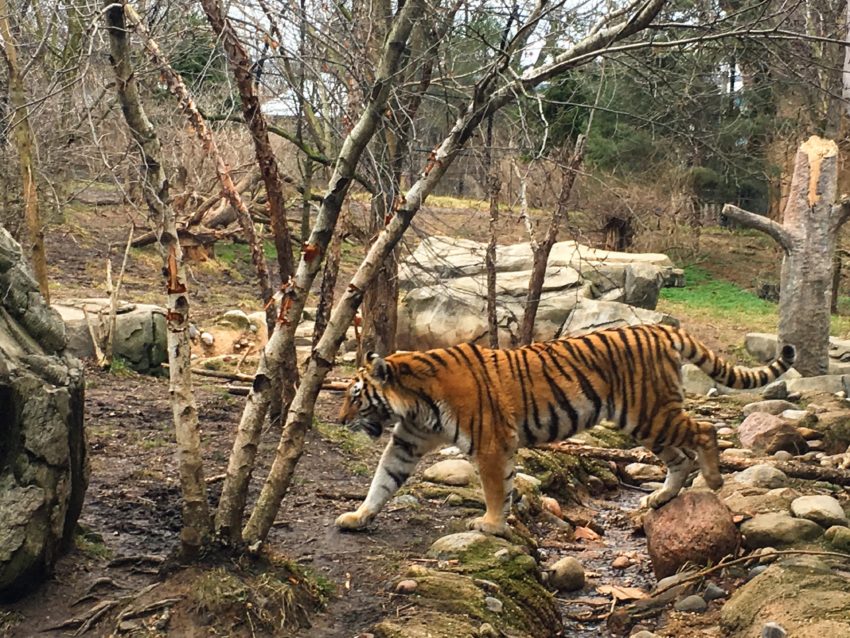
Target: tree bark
[
  {"x": 24, "y": 145},
  {"x": 241, "y": 464},
  {"x": 196, "y": 521},
  {"x": 542, "y": 250},
  {"x": 808, "y": 236}
]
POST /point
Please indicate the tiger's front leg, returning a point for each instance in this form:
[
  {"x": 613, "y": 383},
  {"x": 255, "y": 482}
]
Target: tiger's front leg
[
  {"x": 496, "y": 469},
  {"x": 398, "y": 461}
]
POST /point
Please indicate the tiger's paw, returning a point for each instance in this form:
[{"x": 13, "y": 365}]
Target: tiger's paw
[
  {"x": 481, "y": 524},
  {"x": 656, "y": 499},
  {"x": 713, "y": 482},
  {"x": 352, "y": 521}
]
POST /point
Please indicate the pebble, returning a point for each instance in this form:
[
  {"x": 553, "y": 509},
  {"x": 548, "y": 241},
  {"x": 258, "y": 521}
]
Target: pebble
[
  {"x": 725, "y": 444},
  {"x": 493, "y": 604},
  {"x": 773, "y": 630},
  {"x": 551, "y": 505},
  {"x": 713, "y": 592},
  {"x": 621, "y": 562},
  {"x": 405, "y": 500},
  {"x": 452, "y": 450},
  {"x": 692, "y": 603},
  {"x": 643, "y": 633},
  {"x": 486, "y": 630},
  {"x": 820, "y": 508},
  {"x": 755, "y": 571},
  {"x": 502, "y": 554},
  {"x": 794, "y": 415},
  {"x": 531, "y": 480},
  {"x": 739, "y": 453},
  {"x": 783, "y": 455},
  {"x": 817, "y": 444},
  {"x": 810, "y": 434},
  {"x": 406, "y": 586},
  {"x": 793, "y": 397},
  {"x": 725, "y": 432},
  {"x": 766, "y": 555},
  {"x": 594, "y": 485},
  {"x": 839, "y": 537},
  {"x": 567, "y": 575}
]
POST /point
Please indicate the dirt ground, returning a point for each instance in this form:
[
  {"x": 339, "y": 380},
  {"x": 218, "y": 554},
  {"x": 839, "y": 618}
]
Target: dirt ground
[{"x": 131, "y": 518}]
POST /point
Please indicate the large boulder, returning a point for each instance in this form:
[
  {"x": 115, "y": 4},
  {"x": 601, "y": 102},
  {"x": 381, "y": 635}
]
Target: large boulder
[
  {"x": 762, "y": 346},
  {"x": 446, "y": 291},
  {"x": 140, "y": 331},
  {"x": 696, "y": 527},
  {"x": 43, "y": 458}
]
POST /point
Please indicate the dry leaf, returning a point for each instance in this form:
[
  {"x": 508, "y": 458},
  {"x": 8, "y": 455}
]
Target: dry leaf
[
  {"x": 586, "y": 534},
  {"x": 622, "y": 593}
]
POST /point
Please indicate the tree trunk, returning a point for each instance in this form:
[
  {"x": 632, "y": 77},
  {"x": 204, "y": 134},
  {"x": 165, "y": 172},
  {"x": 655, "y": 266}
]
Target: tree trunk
[
  {"x": 807, "y": 235},
  {"x": 24, "y": 145},
  {"x": 196, "y": 519},
  {"x": 542, "y": 250},
  {"x": 380, "y": 302}
]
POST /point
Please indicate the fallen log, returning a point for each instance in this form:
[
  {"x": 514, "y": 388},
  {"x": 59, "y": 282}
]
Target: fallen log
[
  {"x": 328, "y": 386},
  {"x": 794, "y": 469}
]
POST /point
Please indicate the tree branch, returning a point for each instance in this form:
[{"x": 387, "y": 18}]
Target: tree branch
[{"x": 759, "y": 222}]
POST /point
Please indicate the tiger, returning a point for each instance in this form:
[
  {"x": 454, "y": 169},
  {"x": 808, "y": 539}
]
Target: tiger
[{"x": 489, "y": 402}]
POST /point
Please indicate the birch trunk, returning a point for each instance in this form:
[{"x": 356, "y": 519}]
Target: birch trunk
[
  {"x": 24, "y": 145},
  {"x": 807, "y": 235},
  {"x": 196, "y": 521},
  {"x": 484, "y": 102},
  {"x": 241, "y": 463},
  {"x": 542, "y": 250}
]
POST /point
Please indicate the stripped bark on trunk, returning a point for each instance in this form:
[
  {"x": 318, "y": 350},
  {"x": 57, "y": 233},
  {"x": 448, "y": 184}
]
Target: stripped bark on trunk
[
  {"x": 485, "y": 100},
  {"x": 25, "y": 146},
  {"x": 196, "y": 521},
  {"x": 241, "y": 464},
  {"x": 178, "y": 89}
]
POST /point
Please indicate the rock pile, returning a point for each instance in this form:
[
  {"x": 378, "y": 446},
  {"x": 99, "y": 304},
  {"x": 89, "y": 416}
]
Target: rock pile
[{"x": 444, "y": 291}]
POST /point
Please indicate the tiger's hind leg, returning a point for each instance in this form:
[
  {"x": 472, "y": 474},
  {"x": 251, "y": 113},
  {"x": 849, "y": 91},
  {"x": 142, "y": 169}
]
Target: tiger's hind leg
[
  {"x": 679, "y": 466},
  {"x": 496, "y": 469},
  {"x": 682, "y": 431}
]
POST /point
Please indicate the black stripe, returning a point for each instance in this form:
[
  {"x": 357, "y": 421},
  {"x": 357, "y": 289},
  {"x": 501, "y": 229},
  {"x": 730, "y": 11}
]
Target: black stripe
[
  {"x": 405, "y": 446},
  {"x": 435, "y": 354}
]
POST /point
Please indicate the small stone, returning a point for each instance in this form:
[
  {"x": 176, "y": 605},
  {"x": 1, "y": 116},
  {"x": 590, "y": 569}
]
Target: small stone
[
  {"x": 675, "y": 579},
  {"x": 405, "y": 501},
  {"x": 739, "y": 453},
  {"x": 712, "y": 392},
  {"x": 794, "y": 414},
  {"x": 810, "y": 434},
  {"x": 773, "y": 630},
  {"x": 502, "y": 554},
  {"x": 816, "y": 445},
  {"x": 841, "y": 394},
  {"x": 595, "y": 485},
  {"x": 713, "y": 592},
  {"x": 551, "y": 505},
  {"x": 773, "y": 407},
  {"x": 778, "y": 529},
  {"x": 531, "y": 480},
  {"x": 783, "y": 455},
  {"x": 639, "y": 472},
  {"x": 567, "y": 575},
  {"x": 725, "y": 444},
  {"x": 407, "y": 586},
  {"x": 452, "y": 450},
  {"x": 621, "y": 562},
  {"x": 820, "y": 508},
  {"x": 755, "y": 571},
  {"x": 839, "y": 537},
  {"x": 692, "y": 603},
  {"x": 725, "y": 431},
  {"x": 486, "y": 630},
  {"x": 493, "y": 604},
  {"x": 207, "y": 339},
  {"x": 456, "y": 472},
  {"x": 453, "y": 544},
  {"x": 775, "y": 390},
  {"x": 454, "y": 500},
  {"x": 762, "y": 475},
  {"x": 643, "y": 633},
  {"x": 766, "y": 555},
  {"x": 793, "y": 397}
]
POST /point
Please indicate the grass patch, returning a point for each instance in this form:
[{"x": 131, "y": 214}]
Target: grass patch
[
  {"x": 231, "y": 252},
  {"x": 352, "y": 443},
  {"x": 9, "y": 620},
  {"x": 707, "y": 298},
  {"x": 91, "y": 543},
  {"x": 120, "y": 368}
]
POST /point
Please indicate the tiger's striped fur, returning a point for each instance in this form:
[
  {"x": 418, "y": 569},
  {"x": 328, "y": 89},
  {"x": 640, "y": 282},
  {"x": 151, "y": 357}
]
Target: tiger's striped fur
[{"x": 490, "y": 402}]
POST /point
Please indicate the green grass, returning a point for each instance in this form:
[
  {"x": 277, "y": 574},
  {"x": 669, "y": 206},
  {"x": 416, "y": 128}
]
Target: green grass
[
  {"x": 230, "y": 252},
  {"x": 707, "y": 298}
]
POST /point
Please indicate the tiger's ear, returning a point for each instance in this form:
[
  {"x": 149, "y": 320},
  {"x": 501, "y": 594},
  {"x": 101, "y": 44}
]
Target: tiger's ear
[{"x": 377, "y": 367}]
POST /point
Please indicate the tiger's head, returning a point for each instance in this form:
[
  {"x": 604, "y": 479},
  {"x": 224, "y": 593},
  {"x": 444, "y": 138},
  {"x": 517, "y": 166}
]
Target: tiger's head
[{"x": 365, "y": 407}]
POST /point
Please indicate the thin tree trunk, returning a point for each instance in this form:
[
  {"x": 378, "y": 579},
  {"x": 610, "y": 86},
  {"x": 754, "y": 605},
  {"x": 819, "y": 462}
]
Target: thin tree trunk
[
  {"x": 808, "y": 235},
  {"x": 241, "y": 463},
  {"x": 329, "y": 278},
  {"x": 24, "y": 144},
  {"x": 541, "y": 250},
  {"x": 196, "y": 521},
  {"x": 495, "y": 185}
]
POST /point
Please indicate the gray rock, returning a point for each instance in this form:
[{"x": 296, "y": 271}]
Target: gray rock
[
  {"x": 773, "y": 630},
  {"x": 640, "y": 472},
  {"x": 714, "y": 592},
  {"x": 493, "y": 604},
  {"x": 761, "y": 345},
  {"x": 738, "y": 453},
  {"x": 825, "y": 383},
  {"x": 695, "y": 381},
  {"x": 454, "y": 544},
  {"x": 762, "y": 475},
  {"x": 783, "y": 455},
  {"x": 776, "y": 390},
  {"x": 236, "y": 319},
  {"x": 486, "y": 630},
  {"x": 756, "y": 571},
  {"x": 643, "y": 283},
  {"x": 766, "y": 433},
  {"x": 43, "y": 453},
  {"x": 567, "y": 575},
  {"x": 456, "y": 472},
  {"x": 839, "y": 537},
  {"x": 692, "y": 603},
  {"x": 774, "y": 407},
  {"x": 405, "y": 501},
  {"x": 778, "y": 529},
  {"x": 794, "y": 415},
  {"x": 820, "y": 508}
]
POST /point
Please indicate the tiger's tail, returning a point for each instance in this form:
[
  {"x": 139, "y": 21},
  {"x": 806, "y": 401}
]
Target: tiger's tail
[{"x": 732, "y": 376}]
